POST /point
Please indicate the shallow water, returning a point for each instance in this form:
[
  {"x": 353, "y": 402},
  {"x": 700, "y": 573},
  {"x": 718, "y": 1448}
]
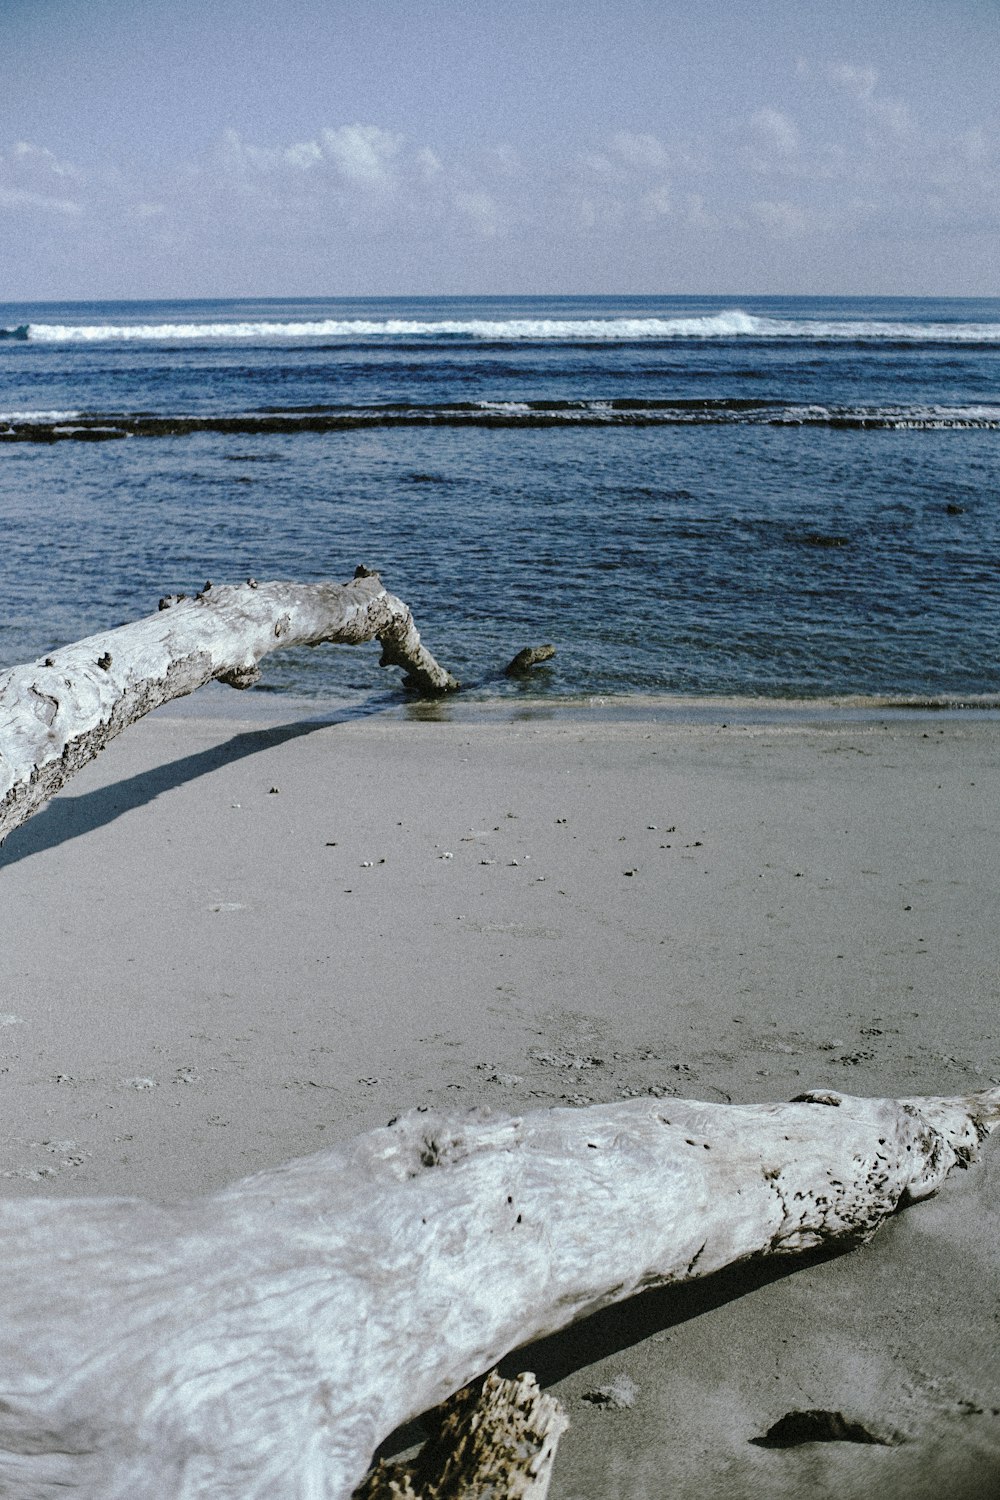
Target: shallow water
[{"x": 777, "y": 497}]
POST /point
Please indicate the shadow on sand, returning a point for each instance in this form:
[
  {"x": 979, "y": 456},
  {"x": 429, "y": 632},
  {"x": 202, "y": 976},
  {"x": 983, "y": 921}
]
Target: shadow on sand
[
  {"x": 625, "y": 1324},
  {"x": 67, "y": 817}
]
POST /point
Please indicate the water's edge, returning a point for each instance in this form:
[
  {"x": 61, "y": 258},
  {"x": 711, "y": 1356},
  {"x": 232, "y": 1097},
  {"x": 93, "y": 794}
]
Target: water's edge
[{"x": 219, "y": 703}]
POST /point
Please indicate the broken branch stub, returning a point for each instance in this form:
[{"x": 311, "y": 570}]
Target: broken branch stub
[
  {"x": 495, "y": 1438},
  {"x": 528, "y": 657},
  {"x": 57, "y": 713},
  {"x": 259, "y": 1343}
]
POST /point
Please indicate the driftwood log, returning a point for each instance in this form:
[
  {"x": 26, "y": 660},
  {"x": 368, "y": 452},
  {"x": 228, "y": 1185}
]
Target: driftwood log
[
  {"x": 258, "y": 1344},
  {"x": 57, "y": 713}
]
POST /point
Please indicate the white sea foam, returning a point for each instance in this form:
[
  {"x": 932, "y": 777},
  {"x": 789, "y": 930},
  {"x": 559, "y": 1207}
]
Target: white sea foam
[
  {"x": 917, "y": 416},
  {"x": 38, "y": 416},
  {"x": 722, "y": 325}
]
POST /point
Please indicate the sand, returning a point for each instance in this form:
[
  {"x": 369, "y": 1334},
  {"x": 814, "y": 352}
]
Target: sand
[{"x": 228, "y": 943}]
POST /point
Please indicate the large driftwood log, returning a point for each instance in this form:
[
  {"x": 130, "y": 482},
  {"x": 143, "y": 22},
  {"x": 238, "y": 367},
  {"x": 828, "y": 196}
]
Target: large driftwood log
[
  {"x": 259, "y": 1343},
  {"x": 57, "y": 713}
]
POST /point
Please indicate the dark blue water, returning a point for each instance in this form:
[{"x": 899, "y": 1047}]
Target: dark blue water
[{"x": 776, "y": 497}]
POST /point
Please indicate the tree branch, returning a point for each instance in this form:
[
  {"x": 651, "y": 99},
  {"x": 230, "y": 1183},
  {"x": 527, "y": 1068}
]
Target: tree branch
[{"x": 57, "y": 713}]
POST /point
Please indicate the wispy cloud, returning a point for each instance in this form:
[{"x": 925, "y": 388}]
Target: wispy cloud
[
  {"x": 780, "y": 185},
  {"x": 362, "y": 153},
  {"x": 859, "y": 82},
  {"x": 32, "y": 178},
  {"x": 642, "y": 154},
  {"x": 24, "y": 198},
  {"x": 641, "y": 150},
  {"x": 480, "y": 212},
  {"x": 775, "y": 131},
  {"x": 782, "y": 219}
]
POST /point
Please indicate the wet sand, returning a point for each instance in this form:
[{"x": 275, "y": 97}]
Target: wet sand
[{"x": 229, "y": 943}]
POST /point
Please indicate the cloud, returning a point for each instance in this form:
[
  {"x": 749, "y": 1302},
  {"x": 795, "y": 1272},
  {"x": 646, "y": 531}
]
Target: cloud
[
  {"x": 302, "y": 155},
  {"x": 657, "y": 203},
  {"x": 644, "y": 151},
  {"x": 23, "y": 198},
  {"x": 33, "y": 178},
  {"x": 698, "y": 216},
  {"x": 481, "y": 213},
  {"x": 429, "y": 164},
  {"x": 27, "y": 156},
  {"x": 348, "y": 194},
  {"x": 234, "y": 154},
  {"x": 362, "y": 153},
  {"x": 502, "y": 161},
  {"x": 642, "y": 154},
  {"x": 774, "y": 131},
  {"x": 779, "y": 190},
  {"x": 783, "y": 220},
  {"x": 893, "y": 115},
  {"x": 859, "y": 83},
  {"x": 627, "y": 181},
  {"x": 975, "y": 147}
]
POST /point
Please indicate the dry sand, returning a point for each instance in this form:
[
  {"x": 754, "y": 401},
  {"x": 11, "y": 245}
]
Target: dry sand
[{"x": 230, "y": 943}]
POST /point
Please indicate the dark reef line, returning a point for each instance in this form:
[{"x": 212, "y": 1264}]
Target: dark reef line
[{"x": 96, "y": 428}]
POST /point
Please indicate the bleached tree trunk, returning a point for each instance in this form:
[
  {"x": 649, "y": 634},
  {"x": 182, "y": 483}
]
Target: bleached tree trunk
[
  {"x": 57, "y": 713},
  {"x": 259, "y": 1343}
]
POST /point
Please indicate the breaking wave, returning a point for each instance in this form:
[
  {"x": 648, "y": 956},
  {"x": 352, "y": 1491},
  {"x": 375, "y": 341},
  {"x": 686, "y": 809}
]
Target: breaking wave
[{"x": 732, "y": 324}]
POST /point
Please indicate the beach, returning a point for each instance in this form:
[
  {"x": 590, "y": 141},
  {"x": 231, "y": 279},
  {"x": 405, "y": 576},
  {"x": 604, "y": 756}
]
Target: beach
[{"x": 233, "y": 941}]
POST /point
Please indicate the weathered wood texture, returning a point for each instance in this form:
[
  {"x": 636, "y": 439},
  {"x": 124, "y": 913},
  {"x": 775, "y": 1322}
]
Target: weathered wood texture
[
  {"x": 259, "y": 1344},
  {"x": 495, "y": 1438},
  {"x": 528, "y": 657},
  {"x": 57, "y": 713}
]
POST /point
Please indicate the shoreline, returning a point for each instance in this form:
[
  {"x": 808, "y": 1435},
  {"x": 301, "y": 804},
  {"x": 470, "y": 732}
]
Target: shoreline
[
  {"x": 214, "y": 701},
  {"x": 234, "y": 940}
]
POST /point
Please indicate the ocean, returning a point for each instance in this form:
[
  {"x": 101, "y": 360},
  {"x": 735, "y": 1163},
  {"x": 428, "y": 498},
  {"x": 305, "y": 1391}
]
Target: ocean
[{"x": 764, "y": 497}]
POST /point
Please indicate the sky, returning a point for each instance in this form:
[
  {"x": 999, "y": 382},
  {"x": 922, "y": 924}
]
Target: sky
[{"x": 240, "y": 148}]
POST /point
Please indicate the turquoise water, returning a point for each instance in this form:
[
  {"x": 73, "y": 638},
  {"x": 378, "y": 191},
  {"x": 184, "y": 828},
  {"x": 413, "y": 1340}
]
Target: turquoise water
[{"x": 773, "y": 497}]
